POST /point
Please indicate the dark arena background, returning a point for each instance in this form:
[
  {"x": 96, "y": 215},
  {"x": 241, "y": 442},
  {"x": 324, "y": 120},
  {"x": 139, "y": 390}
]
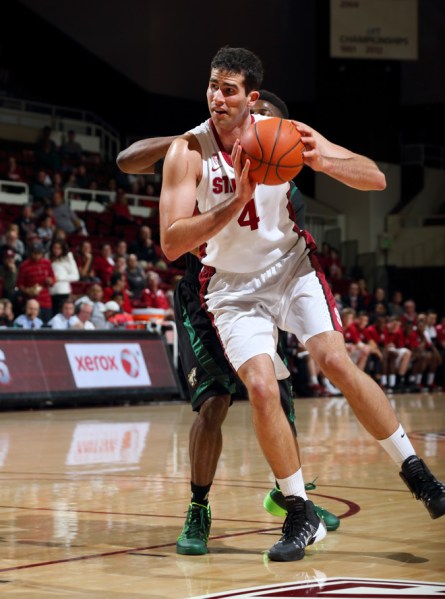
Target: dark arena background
[{"x": 95, "y": 415}]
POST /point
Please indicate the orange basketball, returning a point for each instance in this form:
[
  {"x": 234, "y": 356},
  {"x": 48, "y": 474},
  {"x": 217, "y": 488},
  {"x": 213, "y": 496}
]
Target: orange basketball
[{"x": 275, "y": 151}]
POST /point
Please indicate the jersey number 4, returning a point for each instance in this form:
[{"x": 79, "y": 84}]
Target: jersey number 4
[{"x": 249, "y": 217}]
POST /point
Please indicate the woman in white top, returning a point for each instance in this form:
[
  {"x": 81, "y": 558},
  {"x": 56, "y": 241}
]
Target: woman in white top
[{"x": 65, "y": 270}]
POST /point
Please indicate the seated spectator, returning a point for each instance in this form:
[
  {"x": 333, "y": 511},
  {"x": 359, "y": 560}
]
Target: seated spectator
[
  {"x": 94, "y": 297},
  {"x": 65, "y": 318},
  {"x": 379, "y": 297},
  {"x": 353, "y": 299},
  {"x": 14, "y": 172},
  {"x": 374, "y": 365},
  {"x": 364, "y": 293},
  {"x": 358, "y": 350},
  {"x": 7, "y": 313},
  {"x": 397, "y": 355},
  {"x": 121, "y": 250},
  {"x": 11, "y": 241},
  {"x": 115, "y": 317},
  {"x": 433, "y": 357},
  {"x": 144, "y": 248},
  {"x": 395, "y": 306},
  {"x": 83, "y": 178},
  {"x": 136, "y": 278},
  {"x": 409, "y": 311},
  {"x": 46, "y": 152},
  {"x": 153, "y": 297},
  {"x": 45, "y": 230},
  {"x": 65, "y": 272},
  {"x": 35, "y": 278},
  {"x": 118, "y": 284},
  {"x": 9, "y": 273},
  {"x": 103, "y": 264},
  {"x": 120, "y": 211},
  {"x": 379, "y": 310},
  {"x": 26, "y": 222},
  {"x": 30, "y": 319},
  {"x": 66, "y": 218},
  {"x": 41, "y": 189},
  {"x": 71, "y": 149},
  {"x": 84, "y": 260},
  {"x": 83, "y": 312},
  {"x": 335, "y": 268}
]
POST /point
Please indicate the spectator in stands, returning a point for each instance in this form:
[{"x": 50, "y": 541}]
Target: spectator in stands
[
  {"x": 358, "y": 350},
  {"x": 104, "y": 264},
  {"x": 398, "y": 356},
  {"x": 65, "y": 272},
  {"x": 353, "y": 299},
  {"x": 118, "y": 284},
  {"x": 35, "y": 278},
  {"x": 120, "y": 265},
  {"x": 409, "y": 311},
  {"x": 145, "y": 249},
  {"x": 434, "y": 358},
  {"x": 41, "y": 189},
  {"x": 66, "y": 218},
  {"x": 84, "y": 260},
  {"x": 364, "y": 293},
  {"x": 82, "y": 319},
  {"x": 380, "y": 309},
  {"x": 58, "y": 182},
  {"x": 11, "y": 241},
  {"x": 9, "y": 273},
  {"x": 26, "y": 222},
  {"x": 440, "y": 344},
  {"x": 45, "y": 230},
  {"x": 14, "y": 172},
  {"x": 65, "y": 318},
  {"x": 94, "y": 297},
  {"x": 115, "y": 317},
  {"x": 154, "y": 297},
  {"x": 395, "y": 306},
  {"x": 431, "y": 325},
  {"x": 335, "y": 267},
  {"x": 71, "y": 181},
  {"x": 120, "y": 211},
  {"x": 121, "y": 250},
  {"x": 136, "y": 278},
  {"x": 30, "y": 319},
  {"x": 46, "y": 153},
  {"x": 7, "y": 313},
  {"x": 83, "y": 178},
  {"x": 71, "y": 150}
]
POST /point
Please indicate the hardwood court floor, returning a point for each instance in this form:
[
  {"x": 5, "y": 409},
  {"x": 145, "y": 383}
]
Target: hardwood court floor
[{"x": 92, "y": 500}]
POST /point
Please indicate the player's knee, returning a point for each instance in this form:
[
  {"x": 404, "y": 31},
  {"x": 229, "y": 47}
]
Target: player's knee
[
  {"x": 336, "y": 363},
  {"x": 214, "y": 410}
]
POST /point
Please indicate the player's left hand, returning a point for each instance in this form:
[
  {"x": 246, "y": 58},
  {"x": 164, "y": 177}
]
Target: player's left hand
[
  {"x": 317, "y": 146},
  {"x": 245, "y": 187}
]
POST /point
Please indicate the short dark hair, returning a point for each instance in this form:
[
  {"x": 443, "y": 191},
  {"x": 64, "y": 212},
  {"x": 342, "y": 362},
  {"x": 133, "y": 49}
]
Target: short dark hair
[
  {"x": 280, "y": 104},
  {"x": 240, "y": 60}
]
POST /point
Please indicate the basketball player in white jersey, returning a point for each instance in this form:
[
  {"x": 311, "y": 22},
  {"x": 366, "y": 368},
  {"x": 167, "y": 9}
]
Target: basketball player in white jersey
[
  {"x": 209, "y": 378},
  {"x": 261, "y": 274}
]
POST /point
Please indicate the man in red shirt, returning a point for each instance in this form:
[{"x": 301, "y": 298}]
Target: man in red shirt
[
  {"x": 398, "y": 356},
  {"x": 154, "y": 297},
  {"x": 34, "y": 279}
]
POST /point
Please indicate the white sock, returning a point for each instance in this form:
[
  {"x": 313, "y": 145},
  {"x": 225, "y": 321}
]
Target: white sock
[
  {"x": 384, "y": 379},
  {"x": 392, "y": 380},
  {"x": 430, "y": 378},
  {"x": 398, "y": 446},
  {"x": 293, "y": 485},
  {"x": 419, "y": 378},
  {"x": 314, "y": 380}
]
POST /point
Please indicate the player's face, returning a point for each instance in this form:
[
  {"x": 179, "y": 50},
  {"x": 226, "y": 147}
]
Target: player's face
[
  {"x": 265, "y": 108},
  {"x": 229, "y": 105}
]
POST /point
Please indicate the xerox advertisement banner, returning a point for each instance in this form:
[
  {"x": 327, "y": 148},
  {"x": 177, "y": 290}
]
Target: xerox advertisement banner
[
  {"x": 107, "y": 365},
  {"x": 46, "y": 365}
]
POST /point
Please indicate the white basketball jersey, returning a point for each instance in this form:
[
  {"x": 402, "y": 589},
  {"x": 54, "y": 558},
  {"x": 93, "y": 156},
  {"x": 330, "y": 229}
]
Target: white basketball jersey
[{"x": 263, "y": 231}]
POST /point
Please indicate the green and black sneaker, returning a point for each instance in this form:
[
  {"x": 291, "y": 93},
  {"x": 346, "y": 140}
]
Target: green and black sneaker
[
  {"x": 275, "y": 504},
  {"x": 195, "y": 534}
]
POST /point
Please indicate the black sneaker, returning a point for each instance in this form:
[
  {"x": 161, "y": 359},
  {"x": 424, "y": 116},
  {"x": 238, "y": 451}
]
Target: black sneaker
[
  {"x": 424, "y": 486},
  {"x": 301, "y": 528}
]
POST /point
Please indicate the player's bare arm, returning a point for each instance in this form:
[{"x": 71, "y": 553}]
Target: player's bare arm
[
  {"x": 180, "y": 229},
  {"x": 138, "y": 158},
  {"x": 352, "y": 169}
]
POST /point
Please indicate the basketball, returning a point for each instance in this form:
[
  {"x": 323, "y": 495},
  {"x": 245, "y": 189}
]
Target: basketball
[{"x": 275, "y": 151}]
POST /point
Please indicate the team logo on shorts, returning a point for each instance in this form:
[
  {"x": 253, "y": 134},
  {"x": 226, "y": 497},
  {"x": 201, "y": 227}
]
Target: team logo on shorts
[
  {"x": 353, "y": 588},
  {"x": 130, "y": 363},
  {"x": 192, "y": 377}
]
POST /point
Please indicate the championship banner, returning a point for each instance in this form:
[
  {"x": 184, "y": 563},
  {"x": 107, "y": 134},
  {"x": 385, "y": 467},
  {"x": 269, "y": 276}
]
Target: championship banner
[{"x": 374, "y": 29}]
